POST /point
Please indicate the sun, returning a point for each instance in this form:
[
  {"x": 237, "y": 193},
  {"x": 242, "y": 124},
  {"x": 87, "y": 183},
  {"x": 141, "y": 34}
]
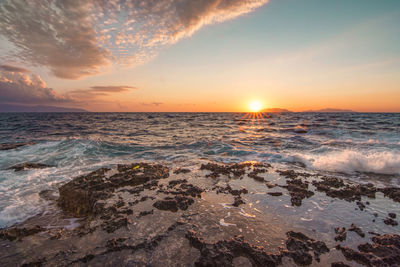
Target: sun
[{"x": 255, "y": 106}]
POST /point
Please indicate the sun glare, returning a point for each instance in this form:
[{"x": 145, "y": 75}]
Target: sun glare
[{"x": 255, "y": 106}]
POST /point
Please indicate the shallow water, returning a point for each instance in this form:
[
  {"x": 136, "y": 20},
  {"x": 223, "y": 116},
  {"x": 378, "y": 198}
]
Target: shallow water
[{"x": 355, "y": 145}]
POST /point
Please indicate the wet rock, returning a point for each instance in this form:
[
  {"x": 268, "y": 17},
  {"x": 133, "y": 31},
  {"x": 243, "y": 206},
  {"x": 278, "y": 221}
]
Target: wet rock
[
  {"x": 341, "y": 234},
  {"x": 238, "y": 201},
  {"x": 256, "y": 177},
  {"x": 391, "y": 192},
  {"x": 222, "y": 253},
  {"x": 339, "y": 264},
  {"x": 16, "y": 233},
  {"x": 79, "y": 196},
  {"x": 356, "y": 229},
  {"x": 181, "y": 170},
  {"x": 28, "y": 165},
  {"x": 173, "y": 204},
  {"x": 384, "y": 251},
  {"x": 228, "y": 190},
  {"x": 330, "y": 182},
  {"x": 390, "y": 221},
  {"x": 299, "y": 246},
  {"x": 333, "y": 187},
  {"x": 275, "y": 194},
  {"x": 360, "y": 205},
  {"x": 230, "y": 170},
  {"x": 298, "y": 190},
  {"x": 112, "y": 226},
  {"x": 291, "y": 174},
  {"x": 35, "y": 263},
  {"x": 144, "y": 213},
  {"x": 176, "y": 182},
  {"x": 48, "y": 195},
  {"x": 254, "y": 174},
  {"x": 9, "y": 146}
]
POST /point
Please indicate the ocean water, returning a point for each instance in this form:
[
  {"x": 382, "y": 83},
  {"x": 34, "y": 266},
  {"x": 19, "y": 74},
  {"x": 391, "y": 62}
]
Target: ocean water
[{"x": 352, "y": 145}]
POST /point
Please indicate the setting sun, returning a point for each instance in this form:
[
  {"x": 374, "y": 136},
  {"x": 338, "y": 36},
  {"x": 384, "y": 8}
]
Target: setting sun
[{"x": 255, "y": 106}]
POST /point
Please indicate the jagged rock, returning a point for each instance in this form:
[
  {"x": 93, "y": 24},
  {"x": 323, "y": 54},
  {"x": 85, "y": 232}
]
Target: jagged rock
[
  {"x": 28, "y": 165},
  {"x": 339, "y": 264},
  {"x": 299, "y": 245},
  {"x": 181, "y": 170},
  {"x": 384, "y": 251},
  {"x": 79, "y": 196},
  {"x": 275, "y": 194},
  {"x": 173, "y": 204},
  {"x": 16, "y": 233},
  {"x": 298, "y": 191},
  {"x": 222, "y": 253},
  {"x": 356, "y": 229},
  {"x": 391, "y": 192},
  {"x": 340, "y": 234}
]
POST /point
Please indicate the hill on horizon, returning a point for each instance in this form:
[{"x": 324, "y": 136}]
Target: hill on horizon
[{"x": 22, "y": 108}]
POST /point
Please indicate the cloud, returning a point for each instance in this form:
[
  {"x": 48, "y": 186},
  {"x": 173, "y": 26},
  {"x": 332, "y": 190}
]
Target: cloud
[
  {"x": 17, "y": 87},
  {"x": 153, "y": 104},
  {"x": 78, "y": 38},
  {"x": 112, "y": 88},
  {"x": 99, "y": 90},
  {"x": 9, "y": 68}
]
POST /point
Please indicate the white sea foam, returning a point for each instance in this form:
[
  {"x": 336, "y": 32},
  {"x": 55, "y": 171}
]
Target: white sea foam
[{"x": 350, "y": 161}]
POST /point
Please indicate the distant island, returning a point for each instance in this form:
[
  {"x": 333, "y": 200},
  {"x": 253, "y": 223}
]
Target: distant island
[
  {"x": 275, "y": 110},
  {"x": 333, "y": 110},
  {"x": 22, "y": 108}
]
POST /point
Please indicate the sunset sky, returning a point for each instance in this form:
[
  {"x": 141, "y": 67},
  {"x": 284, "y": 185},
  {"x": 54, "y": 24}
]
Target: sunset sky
[{"x": 204, "y": 55}]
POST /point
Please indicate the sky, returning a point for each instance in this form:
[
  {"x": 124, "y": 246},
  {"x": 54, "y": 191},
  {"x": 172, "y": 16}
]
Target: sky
[{"x": 201, "y": 56}]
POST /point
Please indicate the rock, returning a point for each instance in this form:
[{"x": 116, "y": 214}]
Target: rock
[
  {"x": 181, "y": 170},
  {"x": 79, "y": 196},
  {"x": 360, "y": 205},
  {"x": 356, "y": 229},
  {"x": 299, "y": 245},
  {"x": 144, "y": 213},
  {"x": 238, "y": 201},
  {"x": 392, "y": 215},
  {"x": 28, "y": 165},
  {"x": 8, "y": 146},
  {"x": 339, "y": 264},
  {"x": 391, "y": 192},
  {"x": 222, "y": 253},
  {"x": 390, "y": 221},
  {"x": 298, "y": 191},
  {"x": 275, "y": 194},
  {"x": 176, "y": 182},
  {"x": 173, "y": 204},
  {"x": 16, "y": 233},
  {"x": 384, "y": 251},
  {"x": 340, "y": 234},
  {"x": 237, "y": 169},
  {"x": 335, "y": 188}
]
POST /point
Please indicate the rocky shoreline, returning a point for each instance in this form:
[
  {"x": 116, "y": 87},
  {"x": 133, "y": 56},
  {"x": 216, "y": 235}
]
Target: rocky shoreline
[{"x": 244, "y": 214}]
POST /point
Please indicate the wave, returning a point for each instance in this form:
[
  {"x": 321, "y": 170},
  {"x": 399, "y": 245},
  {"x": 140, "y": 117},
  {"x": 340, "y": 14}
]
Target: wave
[{"x": 351, "y": 161}]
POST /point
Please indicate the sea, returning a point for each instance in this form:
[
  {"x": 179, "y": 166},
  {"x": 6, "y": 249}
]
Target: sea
[{"x": 357, "y": 146}]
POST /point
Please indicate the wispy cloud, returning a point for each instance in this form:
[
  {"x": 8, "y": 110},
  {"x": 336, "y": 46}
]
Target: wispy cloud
[
  {"x": 78, "y": 38},
  {"x": 10, "y": 68},
  {"x": 99, "y": 90},
  {"x": 153, "y": 104},
  {"x": 112, "y": 88}
]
